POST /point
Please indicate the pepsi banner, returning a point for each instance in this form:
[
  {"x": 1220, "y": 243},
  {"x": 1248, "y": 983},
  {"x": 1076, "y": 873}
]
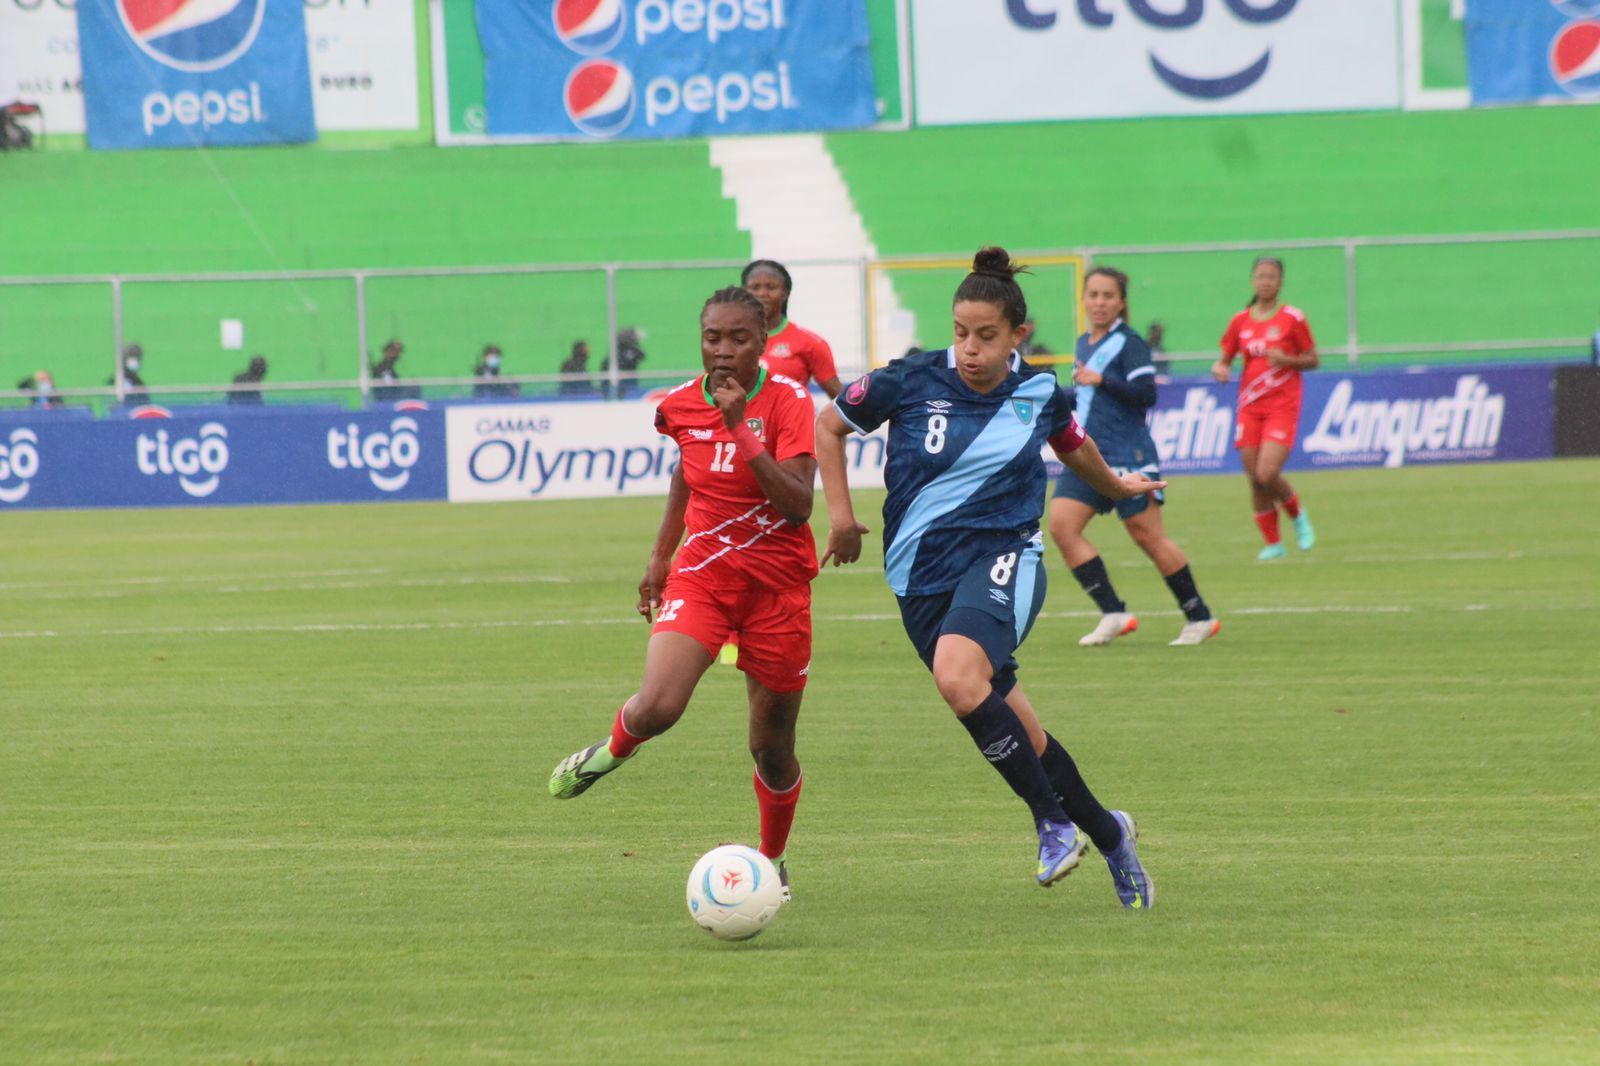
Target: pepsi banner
[
  {"x": 599, "y": 69},
  {"x": 1520, "y": 51},
  {"x": 195, "y": 73},
  {"x": 255, "y": 458}
]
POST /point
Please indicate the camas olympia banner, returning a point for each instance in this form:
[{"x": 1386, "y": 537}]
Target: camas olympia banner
[{"x": 602, "y": 69}]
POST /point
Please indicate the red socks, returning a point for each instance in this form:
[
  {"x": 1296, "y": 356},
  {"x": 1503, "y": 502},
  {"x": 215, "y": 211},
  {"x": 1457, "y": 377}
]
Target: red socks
[
  {"x": 622, "y": 741},
  {"x": 777, "y": 815},
  {"x": 1291, "y": 506},
  {"x": 1268, "y": 521}
]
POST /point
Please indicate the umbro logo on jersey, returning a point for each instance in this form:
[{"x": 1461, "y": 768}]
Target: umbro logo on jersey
[
  {"x": 1001, "y": 748},
  {"x": 938, "y": 405},
  {"x": 702, "y": 434}
]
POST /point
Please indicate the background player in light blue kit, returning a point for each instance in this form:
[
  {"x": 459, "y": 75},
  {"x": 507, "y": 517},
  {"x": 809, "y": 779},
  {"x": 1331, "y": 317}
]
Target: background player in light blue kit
[
  {"x": 1116, "y": 385},
  {"x": 962, "y": 547}
]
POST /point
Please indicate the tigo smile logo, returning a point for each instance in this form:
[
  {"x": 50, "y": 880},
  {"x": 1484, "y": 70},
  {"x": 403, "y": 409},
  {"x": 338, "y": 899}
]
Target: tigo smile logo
[
  {"x": 589, "y": 27},
  {"x": 193, "y": 35},
  {"x": 600, "y": 97}
]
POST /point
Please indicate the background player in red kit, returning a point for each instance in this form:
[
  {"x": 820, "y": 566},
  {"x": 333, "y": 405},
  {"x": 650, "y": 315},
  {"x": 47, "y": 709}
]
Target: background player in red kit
[
  {"x": 1277, "y": 345},
  {"x": 791, "y": 350},
  {"x": 742, "y": 492}
]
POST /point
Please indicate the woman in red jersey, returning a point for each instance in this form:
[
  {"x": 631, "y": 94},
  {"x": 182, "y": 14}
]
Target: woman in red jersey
[
  {"x": 1278, "y": 348},
  {"x": 791, "y": 351},
  {"x": 742, "y": 492}
]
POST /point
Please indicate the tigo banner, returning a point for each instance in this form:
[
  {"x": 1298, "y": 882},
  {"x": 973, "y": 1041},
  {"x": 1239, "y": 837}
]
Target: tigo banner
[
  {"x": 1069, "y": 59},
  {"x": 1525, "y": 50},
  {"x": 192, "y": 73},
  {"x": 674, "y": 68}
]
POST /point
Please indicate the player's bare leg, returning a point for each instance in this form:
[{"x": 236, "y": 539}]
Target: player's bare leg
[
  {"x": 962, "y": 670},
  {"x": 1068, "y": 520},
  {"x": 777, "y": 778},
  {"x": 1148, "y": 533},
  {"x": 673, "y": 665},
  {"x": 1263, "y": 504}
]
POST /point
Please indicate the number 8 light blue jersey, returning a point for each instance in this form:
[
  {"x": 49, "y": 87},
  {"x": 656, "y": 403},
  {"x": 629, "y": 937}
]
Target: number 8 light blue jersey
[{"x": 965, "y": 472}]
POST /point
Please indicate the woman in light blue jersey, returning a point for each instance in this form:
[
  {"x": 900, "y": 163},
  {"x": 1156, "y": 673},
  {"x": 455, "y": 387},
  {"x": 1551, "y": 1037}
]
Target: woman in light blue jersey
[
  {"x": 962, "y": 547},
  {"x": 1116, "y": 386}
]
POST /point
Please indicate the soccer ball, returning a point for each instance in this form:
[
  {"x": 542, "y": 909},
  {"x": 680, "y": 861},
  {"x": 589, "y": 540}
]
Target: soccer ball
[{"x": 734, "y": 892}]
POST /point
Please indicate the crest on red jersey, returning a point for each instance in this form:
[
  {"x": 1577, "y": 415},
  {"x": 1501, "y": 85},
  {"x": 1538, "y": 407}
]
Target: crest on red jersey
[{"x": 758, "y": 427}]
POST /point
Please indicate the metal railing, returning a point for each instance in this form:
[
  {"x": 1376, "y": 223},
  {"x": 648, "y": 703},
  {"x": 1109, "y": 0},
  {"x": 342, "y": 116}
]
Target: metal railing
[{"x": 615, "y": 378}]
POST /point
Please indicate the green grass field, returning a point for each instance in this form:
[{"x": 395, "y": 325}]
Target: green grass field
[{"x": 272, "y": 790}]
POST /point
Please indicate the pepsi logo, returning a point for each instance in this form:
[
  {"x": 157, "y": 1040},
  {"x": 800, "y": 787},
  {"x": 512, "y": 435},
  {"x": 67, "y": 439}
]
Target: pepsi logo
[
  {"x": 600, "y": 98},
  {"x": 193, "y": 35},
  {"x": 589, "y": 27},
  {"x": 1575, "y": 58},
  {"x": 1577, "y": 9}
]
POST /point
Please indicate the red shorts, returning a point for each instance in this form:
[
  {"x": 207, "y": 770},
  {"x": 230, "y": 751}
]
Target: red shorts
[
  {"x": 773, "y": 626},
  {"x": 1266, "y": 423}
]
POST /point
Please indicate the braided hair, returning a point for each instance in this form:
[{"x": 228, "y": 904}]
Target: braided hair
[
  {"x": 993, "y": 280},
  {"x": 734, "y": 294}
]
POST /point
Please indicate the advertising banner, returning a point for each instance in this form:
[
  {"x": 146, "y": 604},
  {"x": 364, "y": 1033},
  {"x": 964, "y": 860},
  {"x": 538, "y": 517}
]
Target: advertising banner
[
  {"x": 1520, "y": 51},
  {"x": 195, "y": 73},
  {"x": 599, "y": 69},
  {"x": 1380, "y": 419},
  {"x": 245, "y": 459},
  {"x": 363, "y": 56},
  {"x": 1069, "y": 59}
]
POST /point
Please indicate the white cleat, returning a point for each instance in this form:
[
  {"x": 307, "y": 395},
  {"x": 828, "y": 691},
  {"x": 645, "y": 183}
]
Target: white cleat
[
  {"x": 1196, "y": 632},
  {"x": 1113, "y": 625}
]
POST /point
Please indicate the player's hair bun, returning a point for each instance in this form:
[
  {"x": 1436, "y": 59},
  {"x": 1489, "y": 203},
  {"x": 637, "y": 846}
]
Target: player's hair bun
[{"x": 994, "y": 261}]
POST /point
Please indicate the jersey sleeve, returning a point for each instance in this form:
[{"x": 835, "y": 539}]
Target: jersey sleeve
[
  {"x": 1131, "y": 378},
  {"x": 1230, "y": 339},
  {"x": 870, "y": 401},
  {"x": 1301, "y": 333},
  {"x": 1061, "y": 406},
  {"x": 664, "y": 422},
  {"x": 796, "y": 431},
  {"x": 822, "y": 368}
]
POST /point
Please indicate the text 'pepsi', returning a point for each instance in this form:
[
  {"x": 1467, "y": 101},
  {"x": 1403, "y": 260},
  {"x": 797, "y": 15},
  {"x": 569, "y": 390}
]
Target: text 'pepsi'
[
  {"x": 714, "y": 18},
  {"x": 206, "y": 109},
  {"x": 729, "y": 94}
]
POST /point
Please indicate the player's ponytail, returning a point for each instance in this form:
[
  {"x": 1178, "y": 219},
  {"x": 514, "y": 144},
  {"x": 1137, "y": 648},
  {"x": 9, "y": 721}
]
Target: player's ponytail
[
  {"x": 775, "y": 267},
  {"x": 1265, "y": 260},
  {"x": 994, "y": 280}
]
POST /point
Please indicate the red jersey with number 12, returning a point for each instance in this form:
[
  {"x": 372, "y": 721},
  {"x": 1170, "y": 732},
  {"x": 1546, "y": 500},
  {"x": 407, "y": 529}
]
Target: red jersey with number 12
[
  {"x": 1261, "y": 382},
  {"x": 734, "y": 535}
]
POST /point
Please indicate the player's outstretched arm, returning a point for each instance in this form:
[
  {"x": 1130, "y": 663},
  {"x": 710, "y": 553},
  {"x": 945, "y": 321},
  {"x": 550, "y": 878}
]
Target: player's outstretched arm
[
  {"x": 1085, "y": 461},
  {"x": 844, "y": 532},
  {"x": 666, "y": 545}
]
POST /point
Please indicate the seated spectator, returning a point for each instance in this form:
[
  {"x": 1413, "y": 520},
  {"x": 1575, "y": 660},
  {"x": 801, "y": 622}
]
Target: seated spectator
[
  {"x": 577, "y": 363},
  {"x": 1155, "y": 337},
  {"x": 385, "y": 376},
  {"x": 44, "y": 388},
  {"x": 629, "y": 356},
  {"x": 487, "y": 372},
  {"x": 251, "y": 375}
]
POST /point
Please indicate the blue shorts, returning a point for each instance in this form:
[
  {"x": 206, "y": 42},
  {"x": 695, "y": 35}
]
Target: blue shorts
[
  {"x": 995, "y": 604},
  {"x": 1072, "y": 487}
]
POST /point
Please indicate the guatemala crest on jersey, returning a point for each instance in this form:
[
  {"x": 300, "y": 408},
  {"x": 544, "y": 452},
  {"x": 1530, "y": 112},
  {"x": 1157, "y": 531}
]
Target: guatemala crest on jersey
[{"x": 1024, "y": 410}]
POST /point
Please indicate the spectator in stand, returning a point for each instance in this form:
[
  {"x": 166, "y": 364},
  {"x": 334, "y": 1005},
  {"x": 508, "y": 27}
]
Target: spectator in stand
[
  {"x": 385, "y": 376},
  {"x": 251, "y": 375},
  {"x": 43, "y": 386},
  {"x": 577, "y": 363},
  {"x": 487, "y": 372},
  {"x": 1155, "y": 339},
  {"x": 629, "y": 356},
  {"x": 133, "y": 390}
]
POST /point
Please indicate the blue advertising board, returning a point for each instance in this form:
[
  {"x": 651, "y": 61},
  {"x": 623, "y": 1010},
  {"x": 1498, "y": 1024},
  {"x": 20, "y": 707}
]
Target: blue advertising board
[
  {"x": 1520, "y": 51},
  {"x": 195, "y": 73},
  {"x": 597, "y": 69},
  {"x": 1386, "y": 418},
  {"x": 289, "y": 458}
]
